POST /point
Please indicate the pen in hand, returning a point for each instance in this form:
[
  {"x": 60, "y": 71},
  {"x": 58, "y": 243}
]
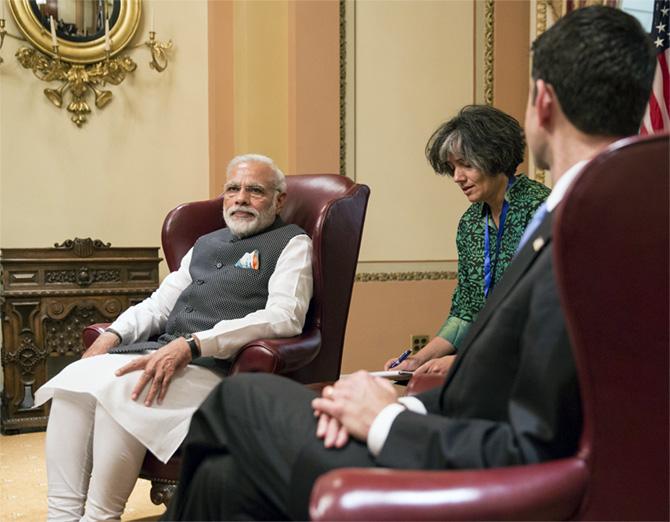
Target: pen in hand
[{"x": 400, "y": 359}]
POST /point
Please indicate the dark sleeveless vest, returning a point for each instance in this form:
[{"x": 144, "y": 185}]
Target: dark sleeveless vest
[{"x": 219, "y": 290}]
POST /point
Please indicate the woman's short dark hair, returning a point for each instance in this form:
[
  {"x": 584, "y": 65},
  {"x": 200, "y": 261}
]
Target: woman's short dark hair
[{"x": 485, "y": 137}]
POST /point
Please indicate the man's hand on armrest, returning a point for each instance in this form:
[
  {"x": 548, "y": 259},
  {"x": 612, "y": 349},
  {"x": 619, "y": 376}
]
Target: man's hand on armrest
[
  {"x": 159, "y": 368},
  {"x": 105, "y": 342}
]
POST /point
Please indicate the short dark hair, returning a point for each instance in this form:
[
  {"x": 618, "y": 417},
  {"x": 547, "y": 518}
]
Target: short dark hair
[
  {"x": 601, "y": 64},
  {"x": 487, "y": 138}
]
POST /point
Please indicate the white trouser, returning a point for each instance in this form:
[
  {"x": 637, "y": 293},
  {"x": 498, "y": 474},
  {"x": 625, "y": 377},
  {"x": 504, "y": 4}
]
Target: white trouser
[{"x": 92, "y": 462}]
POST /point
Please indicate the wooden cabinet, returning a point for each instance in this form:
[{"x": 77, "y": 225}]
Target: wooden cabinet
[{"x": 48, "y": 296}]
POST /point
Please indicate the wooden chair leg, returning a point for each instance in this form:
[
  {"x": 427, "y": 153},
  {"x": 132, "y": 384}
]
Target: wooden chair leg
[{"x": 162, "y": 491}]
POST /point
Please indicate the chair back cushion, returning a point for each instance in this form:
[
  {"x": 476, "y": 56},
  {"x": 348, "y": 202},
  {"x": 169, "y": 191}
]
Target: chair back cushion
[
  {"x": 611, "y": 247},
  {"x": 185, "y": 224},
  {"x": 331, "y": 209}
]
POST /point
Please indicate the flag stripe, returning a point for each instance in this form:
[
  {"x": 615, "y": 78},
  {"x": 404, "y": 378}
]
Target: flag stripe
[
  {"x": 663, "y": 65},
  {"x": 657, "y": 115}
]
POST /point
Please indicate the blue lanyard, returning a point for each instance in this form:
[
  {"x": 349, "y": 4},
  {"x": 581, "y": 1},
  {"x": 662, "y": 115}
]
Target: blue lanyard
[{"x": 489, "y": 273}]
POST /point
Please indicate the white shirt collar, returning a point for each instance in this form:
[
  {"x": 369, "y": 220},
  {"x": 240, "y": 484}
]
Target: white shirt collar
[{"x": 563, "y": 184}]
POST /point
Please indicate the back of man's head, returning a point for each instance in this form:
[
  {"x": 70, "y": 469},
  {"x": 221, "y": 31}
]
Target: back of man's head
[{"x": 601, "y": 64}]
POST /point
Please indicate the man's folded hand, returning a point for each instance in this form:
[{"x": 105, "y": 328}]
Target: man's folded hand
[{"x": 351, "y": 404}]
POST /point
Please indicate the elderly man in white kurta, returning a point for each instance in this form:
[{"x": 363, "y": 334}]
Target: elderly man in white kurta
[{"x": 250, "y": 280}]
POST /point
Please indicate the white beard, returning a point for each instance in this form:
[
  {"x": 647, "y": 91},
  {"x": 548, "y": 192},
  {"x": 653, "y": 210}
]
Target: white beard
[{"x": 248, "y": 227}]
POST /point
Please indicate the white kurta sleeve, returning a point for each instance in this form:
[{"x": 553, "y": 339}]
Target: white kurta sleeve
[
  {"x": 289, "y": 293},
  {"x": 149, "y": 317}
]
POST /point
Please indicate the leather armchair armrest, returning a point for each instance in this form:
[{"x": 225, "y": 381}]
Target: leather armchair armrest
[
  {"x": 547, "y": 491},
  {"x": 423, "y": 382},
  {"x": 92, "y": 332},
  {"x": 263, "y": 355},
  {"x": 278, "y": 355}
]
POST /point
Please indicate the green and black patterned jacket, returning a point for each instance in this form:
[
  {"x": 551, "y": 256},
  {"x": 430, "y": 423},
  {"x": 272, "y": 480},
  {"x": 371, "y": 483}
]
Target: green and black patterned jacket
[{"x": 524, "y": 196}]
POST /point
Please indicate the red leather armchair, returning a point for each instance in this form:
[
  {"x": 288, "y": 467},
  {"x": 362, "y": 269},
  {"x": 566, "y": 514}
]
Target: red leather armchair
[
  {"x": 331, "y": 209},
  {"x": 611, "y": 245}
]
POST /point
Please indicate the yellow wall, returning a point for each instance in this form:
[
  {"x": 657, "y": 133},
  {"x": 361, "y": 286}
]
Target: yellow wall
[
  {"x": 384, "y": 316},
  {"x": 413, "y": 67},
  {"x": 220, "y": 29},
  {"x": 117, "y": 176},
  {"x": 261, "y": 78},
  {"x": 414, "y": 70},
  {"x": 314, "y": 87},
  {"x": 274, "y": 84}
]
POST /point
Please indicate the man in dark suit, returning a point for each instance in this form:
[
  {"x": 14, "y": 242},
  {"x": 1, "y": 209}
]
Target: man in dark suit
[{"x": 259, "y": 442}]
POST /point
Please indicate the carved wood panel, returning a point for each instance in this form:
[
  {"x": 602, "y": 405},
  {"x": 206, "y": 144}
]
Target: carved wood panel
[{"x": 48, "y": 296}]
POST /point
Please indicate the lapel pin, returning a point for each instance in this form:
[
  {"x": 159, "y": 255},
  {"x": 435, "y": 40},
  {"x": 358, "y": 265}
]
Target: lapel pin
[{"x": 538, "y": 244}]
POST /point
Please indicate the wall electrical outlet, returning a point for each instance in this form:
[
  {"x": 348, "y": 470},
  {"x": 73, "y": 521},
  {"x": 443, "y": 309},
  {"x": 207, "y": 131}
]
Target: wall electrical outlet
[{"x": 418, "y": 341}]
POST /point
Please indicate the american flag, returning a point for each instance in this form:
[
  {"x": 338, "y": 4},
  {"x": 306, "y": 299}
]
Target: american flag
[{"x": 657, "y": 116}]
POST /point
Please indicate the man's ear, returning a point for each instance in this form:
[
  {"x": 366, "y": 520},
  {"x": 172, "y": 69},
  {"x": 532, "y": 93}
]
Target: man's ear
[
  {"x": 545, "y": 103},
  {"x": 280, "y": 201}
]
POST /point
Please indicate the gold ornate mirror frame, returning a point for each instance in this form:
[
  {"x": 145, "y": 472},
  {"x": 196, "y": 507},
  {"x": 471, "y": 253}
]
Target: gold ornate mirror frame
[
  {"x": 85, "y": 66},
  {"x": 120, "y": 33}
]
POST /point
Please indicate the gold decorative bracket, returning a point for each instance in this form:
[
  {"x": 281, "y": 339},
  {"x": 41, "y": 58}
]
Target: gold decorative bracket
[
  {"x": 81, "y": 80},
  {"x": 77, "y": 80},
  {"x": 3, "y": 33},
  {"x": 159, "y": 60}
]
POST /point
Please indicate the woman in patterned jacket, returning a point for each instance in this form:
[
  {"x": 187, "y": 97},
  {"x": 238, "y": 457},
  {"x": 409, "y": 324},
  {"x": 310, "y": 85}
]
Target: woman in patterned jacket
[{"x": 480, "y": 149}]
